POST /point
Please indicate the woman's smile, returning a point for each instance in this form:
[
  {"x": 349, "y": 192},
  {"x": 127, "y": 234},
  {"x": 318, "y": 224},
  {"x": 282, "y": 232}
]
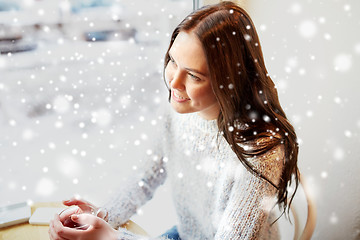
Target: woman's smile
[{"x": 178, "y": 98}]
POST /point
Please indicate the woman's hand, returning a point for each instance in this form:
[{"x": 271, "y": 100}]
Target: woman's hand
[
  {"x": 98, "y": 229},
  {"x": 86, "y": 207}
]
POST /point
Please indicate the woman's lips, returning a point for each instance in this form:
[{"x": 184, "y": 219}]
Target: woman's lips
[{"x": 178, "y": 98}]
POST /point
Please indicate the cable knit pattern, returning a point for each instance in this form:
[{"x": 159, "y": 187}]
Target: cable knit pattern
[{"x": 214, "y": 195}]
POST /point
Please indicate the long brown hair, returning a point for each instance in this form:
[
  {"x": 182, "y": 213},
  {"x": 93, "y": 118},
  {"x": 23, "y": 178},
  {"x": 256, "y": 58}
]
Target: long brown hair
[{"x": 246, "y": 94}]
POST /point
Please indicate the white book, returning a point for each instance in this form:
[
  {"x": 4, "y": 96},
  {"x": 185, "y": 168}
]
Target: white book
[
  {"x": 14, "y": 214},
  {"x": 43, "y": 215}
]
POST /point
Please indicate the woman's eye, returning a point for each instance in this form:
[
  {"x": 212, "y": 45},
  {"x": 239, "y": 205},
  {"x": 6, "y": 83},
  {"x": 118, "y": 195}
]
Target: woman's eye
[
  {"x": 172, "y": 60},
  {"x": 194, "y": 77}
]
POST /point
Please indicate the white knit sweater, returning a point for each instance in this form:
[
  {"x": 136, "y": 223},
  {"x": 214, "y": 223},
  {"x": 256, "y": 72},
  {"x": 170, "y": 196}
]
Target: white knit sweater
[{"x": 214, "y": 195}]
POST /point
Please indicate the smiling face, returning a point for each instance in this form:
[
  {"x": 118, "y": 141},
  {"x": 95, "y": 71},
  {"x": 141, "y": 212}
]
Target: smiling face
[{"x": 189, "y": 79}]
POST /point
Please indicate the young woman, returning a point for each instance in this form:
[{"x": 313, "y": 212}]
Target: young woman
[{"x": 229, "y": 155}]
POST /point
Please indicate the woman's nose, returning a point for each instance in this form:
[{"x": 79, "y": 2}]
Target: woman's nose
[{"x": 176, "y": 82}]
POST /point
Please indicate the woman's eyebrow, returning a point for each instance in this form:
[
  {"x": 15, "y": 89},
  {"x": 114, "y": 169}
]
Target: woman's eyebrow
[
  {"x": 190, "y": 69},
  {"x": 196, "y": 71}
]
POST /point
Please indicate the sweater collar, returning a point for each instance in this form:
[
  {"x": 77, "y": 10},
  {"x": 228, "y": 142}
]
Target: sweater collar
[{"x": 209, "y": 126}]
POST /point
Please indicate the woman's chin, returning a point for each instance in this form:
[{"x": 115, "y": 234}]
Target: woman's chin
[{"x": 179, "y": 109}]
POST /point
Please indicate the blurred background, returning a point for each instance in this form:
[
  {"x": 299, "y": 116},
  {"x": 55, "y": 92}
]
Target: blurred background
[{"x": 81, "y": 81}]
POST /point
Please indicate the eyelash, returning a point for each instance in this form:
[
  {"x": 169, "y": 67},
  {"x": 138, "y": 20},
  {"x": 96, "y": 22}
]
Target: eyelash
[
  {"x": 194, "y": 77},
  {"x": 172, "y": 60},
  {"x": 191, "y": 75}
]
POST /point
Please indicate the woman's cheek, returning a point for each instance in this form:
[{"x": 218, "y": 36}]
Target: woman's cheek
[{"x": 168, "y": 74}]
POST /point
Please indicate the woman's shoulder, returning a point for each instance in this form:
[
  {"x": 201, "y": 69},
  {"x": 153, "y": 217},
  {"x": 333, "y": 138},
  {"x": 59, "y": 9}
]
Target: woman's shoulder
[
  {"x": 270, "y": 163},
  {"x": 266, "y": 154}
]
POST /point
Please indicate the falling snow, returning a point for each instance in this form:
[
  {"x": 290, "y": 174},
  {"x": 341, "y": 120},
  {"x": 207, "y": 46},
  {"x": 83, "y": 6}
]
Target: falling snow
[
  {"x": 296, "y": 8},
  {"x": 76, "y": 116},
  {"x": 333, "y": 218},
  {"x": 339, "y": 154},
  {"x": 357, "y": 48},
  {"x": 307, "y": 29},
  {"x": 342, "y": 62},
  {"x": 45, "y": 187}
]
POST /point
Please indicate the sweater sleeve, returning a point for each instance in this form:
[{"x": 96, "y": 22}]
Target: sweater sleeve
[
  {"x": 140, "y": 186},
  {"x": 251, "y": 198},
  {"x": 135, "y": 192},
  {"x": 124, "y": 234}
]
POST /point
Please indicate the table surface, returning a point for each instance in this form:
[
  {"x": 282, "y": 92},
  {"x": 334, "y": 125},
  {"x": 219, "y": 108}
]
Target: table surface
[{"x": 26, "y": 231}]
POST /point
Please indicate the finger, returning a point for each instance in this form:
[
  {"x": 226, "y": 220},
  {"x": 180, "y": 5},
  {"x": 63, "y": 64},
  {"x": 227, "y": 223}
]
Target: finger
[
  {"x": 57, "y": 226},
  {"x": 89, "y": 219},
  {"x": 56, "y": 223},
  {"x": 54, "y": 236},
  {"x": 102, "y": 213},
  {"x": 70, "y": 211},
  {"x": 89, "y": 222},
  {"x": 54, "y": 230},
  {"x": 73, "y": 201},
  {"x": 83, "y": 204},
  {"x": 67, "y": 212}
]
